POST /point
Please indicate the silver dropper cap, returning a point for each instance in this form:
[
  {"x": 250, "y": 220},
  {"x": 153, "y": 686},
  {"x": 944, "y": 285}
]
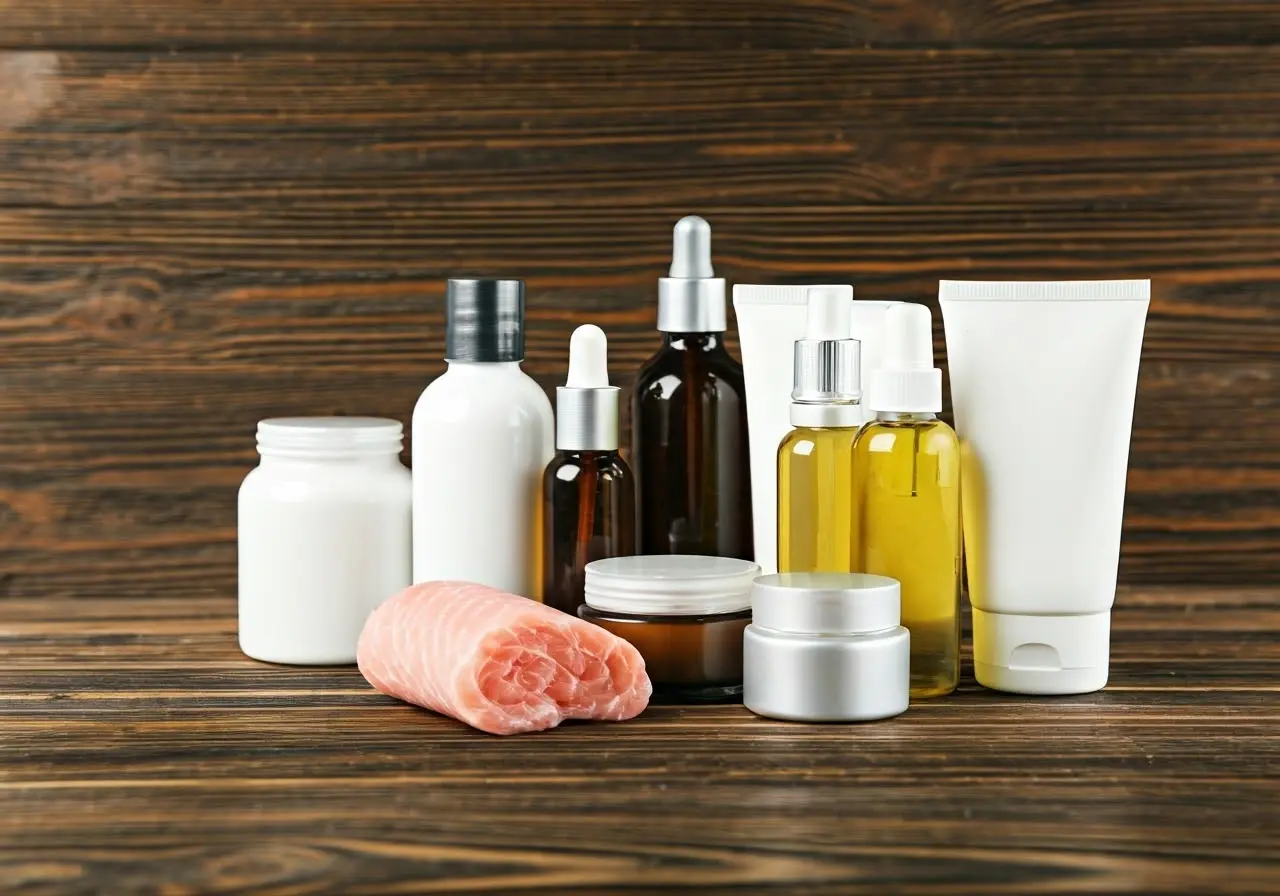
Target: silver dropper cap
[
  {"x": 827, "y": 360},
  {"x": 691, "y": 296},
  {"x": 587, "y": 406}
]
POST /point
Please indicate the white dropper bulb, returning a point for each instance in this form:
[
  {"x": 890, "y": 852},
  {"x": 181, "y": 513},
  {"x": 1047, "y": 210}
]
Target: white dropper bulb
[
  {"x": 830, "y": 313},
  {"x": 691, "y": 249},
  {"x": 908, "y": 338},
  {"x": 588, "y": 358}
]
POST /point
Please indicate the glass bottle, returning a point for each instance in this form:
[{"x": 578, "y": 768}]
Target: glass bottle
[
  {"x": 688, "y": 417},
  {"x": 588, "y": 493},
  {"x": 815, "y": 459},
  {"x": 907, "y": 479}
]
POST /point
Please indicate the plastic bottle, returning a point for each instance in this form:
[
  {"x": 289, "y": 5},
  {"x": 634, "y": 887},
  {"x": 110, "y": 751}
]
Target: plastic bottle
[
  {"x": 588, "y": 493},
  {"x": 815, "y": 459},
  {"x": 482, "y": 435},
  {"x": 688, "y": 416},
  {"x": 907, "y": 475}
]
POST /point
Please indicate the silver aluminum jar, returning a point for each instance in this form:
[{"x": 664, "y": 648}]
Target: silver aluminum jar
[{"x": 826, "y": 647}]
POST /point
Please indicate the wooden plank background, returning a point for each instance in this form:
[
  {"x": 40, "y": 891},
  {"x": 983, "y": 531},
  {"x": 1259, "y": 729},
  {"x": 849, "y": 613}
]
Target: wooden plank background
[{"x": 213, "y": 212}]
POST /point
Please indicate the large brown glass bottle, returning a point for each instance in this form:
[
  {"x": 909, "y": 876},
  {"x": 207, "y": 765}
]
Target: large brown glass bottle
[
  {"x": 689, "y": 449},
  {"x": 589, "y": 513}
]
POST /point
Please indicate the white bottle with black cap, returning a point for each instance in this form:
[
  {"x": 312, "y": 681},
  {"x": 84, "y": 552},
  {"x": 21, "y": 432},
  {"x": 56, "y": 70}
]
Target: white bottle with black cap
[{"x": 482, "y": 435}]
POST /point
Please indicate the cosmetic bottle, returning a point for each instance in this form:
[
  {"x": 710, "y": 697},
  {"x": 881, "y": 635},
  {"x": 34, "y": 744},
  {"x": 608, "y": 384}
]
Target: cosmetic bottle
[
  {"x": 588, "y": 494},
  {"x": 482, "y": 436},
  {"x": 689, "y": 416},
  {"x": 323, "y": 536},
  {"x": 906, "y": 473},
  {"x": 815, "y": 459}
]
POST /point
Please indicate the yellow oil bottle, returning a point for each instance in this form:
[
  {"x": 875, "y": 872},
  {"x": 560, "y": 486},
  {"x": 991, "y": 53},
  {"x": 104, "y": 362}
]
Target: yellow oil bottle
[
  {"x": 815, "y": 460},
  {"x": 906, "y": 479}
]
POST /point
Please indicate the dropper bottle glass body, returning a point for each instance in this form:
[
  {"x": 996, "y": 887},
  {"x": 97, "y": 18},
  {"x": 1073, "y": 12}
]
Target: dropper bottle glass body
[
  {"x": 906, "y": 473},
  {"x": 588, "y": 492},
  {"x": 815, "y": 459},
  {"x": 689, "y": 417}
]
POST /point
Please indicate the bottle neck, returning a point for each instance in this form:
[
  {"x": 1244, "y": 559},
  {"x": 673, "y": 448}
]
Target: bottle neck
[
  {"x": 836, "y": 415},
  {"x": 905, "y": 416},
  {"x": 693, "y": 342},
  {"x": 482, "y": 368}
]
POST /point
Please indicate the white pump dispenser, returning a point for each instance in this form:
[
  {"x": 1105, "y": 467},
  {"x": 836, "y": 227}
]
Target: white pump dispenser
[
  {"x": 906, "y": 381},
  {"x": 827, "y": 361}
]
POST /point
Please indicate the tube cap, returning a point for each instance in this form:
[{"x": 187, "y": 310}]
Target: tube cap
[
  {"x": 587, "y": 406},
  {"x": 484, "y": 320},
  {"x": 1041, "y": 654},
  {"x": 906, "y": 381},
  {"x": 691, "y": 296}
]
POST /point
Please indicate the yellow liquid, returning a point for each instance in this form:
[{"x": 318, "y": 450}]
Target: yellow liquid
[
  {"x": 815, "y": 500},
  {"x": 907, "y": 485}
]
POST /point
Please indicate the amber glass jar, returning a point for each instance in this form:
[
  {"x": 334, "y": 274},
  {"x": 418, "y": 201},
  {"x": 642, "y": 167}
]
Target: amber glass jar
[
  {"x": 689, "y": 450},
  {"x": 685, "y": 614}
]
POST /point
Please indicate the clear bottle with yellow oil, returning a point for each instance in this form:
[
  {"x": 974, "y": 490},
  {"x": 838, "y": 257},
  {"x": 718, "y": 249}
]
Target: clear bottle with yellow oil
[
  {"x": 906, "y": 475},
  {"x": 815, "y": 459}
]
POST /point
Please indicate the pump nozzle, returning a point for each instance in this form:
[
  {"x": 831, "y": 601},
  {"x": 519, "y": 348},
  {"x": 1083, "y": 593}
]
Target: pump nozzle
[
  {"x": 588, "y": 358},
  {"x": 906, "y": 382}
]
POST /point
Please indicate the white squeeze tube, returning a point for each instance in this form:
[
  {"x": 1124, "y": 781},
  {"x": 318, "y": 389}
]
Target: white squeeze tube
[
  {"x": 1043, "y": 377},
  {"x": 770, "y": 320}
]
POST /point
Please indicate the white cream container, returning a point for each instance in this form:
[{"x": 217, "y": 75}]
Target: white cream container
[
  {"x": 1043, "y": 377},
  {"x": 324, "y": 536},
  {"x": 826, "y": 647}
]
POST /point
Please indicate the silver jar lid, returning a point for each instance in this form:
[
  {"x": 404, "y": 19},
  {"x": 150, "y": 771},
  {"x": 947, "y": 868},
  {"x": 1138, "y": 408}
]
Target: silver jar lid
[
  {"x": 820, "y": 603},
  {"x": 826, "y": 647}
]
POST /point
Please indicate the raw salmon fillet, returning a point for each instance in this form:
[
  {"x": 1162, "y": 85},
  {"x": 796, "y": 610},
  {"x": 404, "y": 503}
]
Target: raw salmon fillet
[{"x": 500, "y": 663}]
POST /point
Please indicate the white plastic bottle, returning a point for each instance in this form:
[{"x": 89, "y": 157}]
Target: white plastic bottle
[{"x": 482, "y": 435}]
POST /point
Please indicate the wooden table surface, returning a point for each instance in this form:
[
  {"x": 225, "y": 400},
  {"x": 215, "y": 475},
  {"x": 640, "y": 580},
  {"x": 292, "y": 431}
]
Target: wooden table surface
[{"x": 141, "y": 752}]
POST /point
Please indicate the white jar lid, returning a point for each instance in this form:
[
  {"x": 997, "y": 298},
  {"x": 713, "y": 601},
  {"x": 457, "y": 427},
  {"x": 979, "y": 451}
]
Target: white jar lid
[
  {"x": 303, "y": 436},
  {"x": 826, "y": 603},
  {"x": 670, "y": 585}
]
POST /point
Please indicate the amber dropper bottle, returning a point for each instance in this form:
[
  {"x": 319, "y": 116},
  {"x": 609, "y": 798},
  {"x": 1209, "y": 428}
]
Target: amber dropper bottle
[
  {"x": 589, "y": 505},
  {"x": 689, "y": 416}
]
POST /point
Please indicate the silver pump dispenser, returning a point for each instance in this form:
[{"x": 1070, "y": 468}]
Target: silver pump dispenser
[
  {"x": 828, "y": 384},
  {"x": 691, "y": 296},
  {"x": 586, "y": 405}
]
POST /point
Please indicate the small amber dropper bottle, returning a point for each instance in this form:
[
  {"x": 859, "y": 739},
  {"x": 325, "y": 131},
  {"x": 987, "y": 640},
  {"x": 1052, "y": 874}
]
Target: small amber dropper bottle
[{"x": 589, "y": 504}]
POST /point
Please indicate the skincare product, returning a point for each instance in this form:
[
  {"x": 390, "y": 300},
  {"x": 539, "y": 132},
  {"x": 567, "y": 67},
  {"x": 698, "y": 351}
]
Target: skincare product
[
  {"x": 1043, "y": 377},
  {"x": 815, "y": 459},
  {"x": 589, "y": 505},
  {"x": 906, "y": 475},
  {"x": 498, "y": 661},
  {"x": 689, "y": 416},
  {"x": 770, "y": 320},
  {"x": 685, "y": 614},
  {"x": 482, "y": 436},
  {"x": 323, "y": 536},
  {"x": 826, "y": 647}
]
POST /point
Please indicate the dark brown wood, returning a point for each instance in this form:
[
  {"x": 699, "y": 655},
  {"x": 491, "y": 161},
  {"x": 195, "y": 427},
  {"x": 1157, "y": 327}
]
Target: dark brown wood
[
  {"x": 215, "y": 212},
  {"x": 694, "y": 25},
  {"x": 140, "y": 752}
]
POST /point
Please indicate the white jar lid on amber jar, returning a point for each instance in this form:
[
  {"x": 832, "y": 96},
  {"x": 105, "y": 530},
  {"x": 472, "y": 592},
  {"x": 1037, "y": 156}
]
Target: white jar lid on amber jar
[
  {"x": 324, "y": 536},
  {"x": 670, "y": 585}
]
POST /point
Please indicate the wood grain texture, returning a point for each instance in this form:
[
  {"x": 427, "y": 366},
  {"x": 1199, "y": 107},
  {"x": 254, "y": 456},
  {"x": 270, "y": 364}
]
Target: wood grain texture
[
  {"x": 143, "y": 753},
  {"x": 694, "y": 25},
  {"x": 216, "y": 212}
]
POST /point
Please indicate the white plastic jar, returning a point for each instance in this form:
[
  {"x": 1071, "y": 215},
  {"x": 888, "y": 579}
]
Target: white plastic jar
[{"x": 324, "y": 536}]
